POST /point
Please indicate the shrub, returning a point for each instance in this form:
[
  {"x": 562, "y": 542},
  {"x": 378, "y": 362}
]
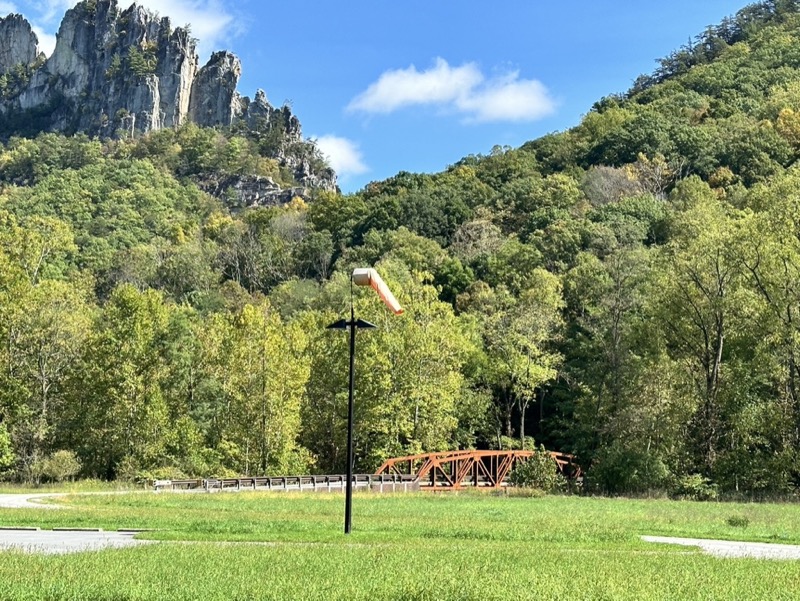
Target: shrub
[
  {"x": 142, "y": 62},
  {"x": 695, "y": 488},
  {"x": 6, "y": 450},
  {"x": 540, "y": 471},
  {"x": 622, "y": 468},
  {"x": 738, "y": 521},
  {"x": 61, "y": 465}
]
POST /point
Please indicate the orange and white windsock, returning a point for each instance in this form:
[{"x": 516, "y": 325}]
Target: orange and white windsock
[{"x": 370, "y": 277}]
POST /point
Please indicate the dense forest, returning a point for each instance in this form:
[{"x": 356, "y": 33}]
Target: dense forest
[{"x": 627, "y": 291}]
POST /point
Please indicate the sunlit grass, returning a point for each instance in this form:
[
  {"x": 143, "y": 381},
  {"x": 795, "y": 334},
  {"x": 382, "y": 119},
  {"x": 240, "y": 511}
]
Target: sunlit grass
[
  {"x": 67, "y": 487},
  {"x": 416, "y": 546}
]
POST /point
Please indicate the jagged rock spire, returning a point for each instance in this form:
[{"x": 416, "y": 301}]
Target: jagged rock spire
[
  {"x": 119, "y": 72},
  {"x": 18, "y": 43}
]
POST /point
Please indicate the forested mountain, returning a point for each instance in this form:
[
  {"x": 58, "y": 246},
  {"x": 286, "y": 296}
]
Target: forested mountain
[{"x": 626, "y": 290}]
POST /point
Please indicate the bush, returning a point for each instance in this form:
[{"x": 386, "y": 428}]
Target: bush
[
  {"x": 6, "y": 450},
  {"x": 738, "y": 521},
  {"x": 695, "y": 488},
  {"x": 622, "y": 468},
  {"x": 540, "y": 471},
  {"x": 61, "y": 465}
]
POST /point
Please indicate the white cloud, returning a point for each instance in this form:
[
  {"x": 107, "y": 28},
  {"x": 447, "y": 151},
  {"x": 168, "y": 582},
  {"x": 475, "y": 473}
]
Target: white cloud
[
  {"x": 508, "y": 99},
  {"x": 47, "y": 41},
  {"x": 210, "y": 21},
  {"x": 440, "y": 84},
  {"x": 342, "y": 154},
  {"x": 461, "y": 89},
  {"x": 52, "y": 10}
]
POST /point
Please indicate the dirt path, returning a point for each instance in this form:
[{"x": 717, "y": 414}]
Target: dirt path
[{"x": 729, "y": 548}]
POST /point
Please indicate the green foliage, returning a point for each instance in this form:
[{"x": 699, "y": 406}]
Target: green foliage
[
  {"x": 114, "y": 67},
  {"x": 695, "y": 487},
  {"x": 6, "y": 450},
  {"x": 623, "y": 290},
  {"x": 143, "y": 61},
  {"x": 538, "y": 471},
  {"x": 622, "y": 468},
  {"x": 409, "y": 395},
  {"x": 61, "y": 465},
  {"x": 738, "y": 521}
]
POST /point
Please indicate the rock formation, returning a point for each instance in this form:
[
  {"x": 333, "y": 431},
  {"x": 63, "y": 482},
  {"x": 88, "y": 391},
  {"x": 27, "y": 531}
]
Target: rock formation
[
  {"x": 128, "y": 72},
  {"x": 115, "y": 71},
  {"x": 214, "y": 100},
  {"x": 18, "y": 43}
]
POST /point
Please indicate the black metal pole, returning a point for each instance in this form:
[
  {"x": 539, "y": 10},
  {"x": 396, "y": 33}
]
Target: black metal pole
[
  {"x": 353, "y": 324},
  {"x": 348, "y": 500}
]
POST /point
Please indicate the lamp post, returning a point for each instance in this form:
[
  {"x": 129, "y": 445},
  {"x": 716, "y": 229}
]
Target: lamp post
[{"x": 359, "y": 277}]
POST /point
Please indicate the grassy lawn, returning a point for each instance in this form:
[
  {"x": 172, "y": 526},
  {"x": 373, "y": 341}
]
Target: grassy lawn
[
  {"x": 67, "y": 487},
  {"x": 416, "y": 546}
]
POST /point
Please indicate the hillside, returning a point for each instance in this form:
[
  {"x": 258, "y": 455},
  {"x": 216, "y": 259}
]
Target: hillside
[{"x": 624, "y": 290}]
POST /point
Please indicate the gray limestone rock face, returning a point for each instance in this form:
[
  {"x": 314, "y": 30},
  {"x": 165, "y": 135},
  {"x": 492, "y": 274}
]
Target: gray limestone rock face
[
  {"x": 18, "y": 44},
  {"x": 259, "y": 115},
  {"x": 113, "y": 72},
  {"x": 127, "y": 72},
  {"x": 214, "y": 100},
  {"x": 177, "y": 68}
]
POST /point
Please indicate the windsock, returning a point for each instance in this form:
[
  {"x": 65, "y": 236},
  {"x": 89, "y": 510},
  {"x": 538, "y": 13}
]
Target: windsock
[{"x": 370, "y": 277}]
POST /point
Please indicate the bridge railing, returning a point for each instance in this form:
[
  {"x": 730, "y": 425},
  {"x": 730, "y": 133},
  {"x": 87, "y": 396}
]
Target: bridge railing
[
  {"x": 375, "y": 482},
  {"x": 450, "y": 469}
]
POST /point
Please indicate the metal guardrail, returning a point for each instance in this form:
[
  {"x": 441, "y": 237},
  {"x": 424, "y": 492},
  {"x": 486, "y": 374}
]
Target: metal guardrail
[{"x": 376, "y": 483}]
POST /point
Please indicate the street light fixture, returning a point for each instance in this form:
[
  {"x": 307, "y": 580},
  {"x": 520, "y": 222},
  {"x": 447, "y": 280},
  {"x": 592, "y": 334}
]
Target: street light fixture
[{"x": 359, "y": 277}]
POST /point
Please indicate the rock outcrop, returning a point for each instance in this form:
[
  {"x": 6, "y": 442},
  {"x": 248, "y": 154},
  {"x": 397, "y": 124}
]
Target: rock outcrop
[
  {"x": 214, "y": 100},
  {"x": 18, "y": 43},
  {"x": 128, "y": 72},
  {"x": 247, "y": 191},
  {"x": 118, "y": 71}
]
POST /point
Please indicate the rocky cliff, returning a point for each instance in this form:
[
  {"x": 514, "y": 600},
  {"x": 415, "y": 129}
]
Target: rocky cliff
[
  {"x": 18, "y": 43},
  {"x": 127, "y": 72}
]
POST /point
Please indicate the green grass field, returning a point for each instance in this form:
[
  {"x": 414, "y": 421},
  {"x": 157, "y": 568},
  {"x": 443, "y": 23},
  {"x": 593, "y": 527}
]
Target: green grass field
[{"x": 416, "y": 546}]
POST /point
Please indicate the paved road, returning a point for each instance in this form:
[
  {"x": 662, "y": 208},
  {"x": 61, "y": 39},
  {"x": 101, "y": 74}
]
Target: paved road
[
  {"x": 728, "y": 548},
  {"x": 57, "y": 542},
  {"x": 27, "y": 501}
]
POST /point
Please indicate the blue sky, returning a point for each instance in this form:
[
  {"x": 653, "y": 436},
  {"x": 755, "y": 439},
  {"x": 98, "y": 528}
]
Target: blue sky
[{"x": 416, "y": 85}]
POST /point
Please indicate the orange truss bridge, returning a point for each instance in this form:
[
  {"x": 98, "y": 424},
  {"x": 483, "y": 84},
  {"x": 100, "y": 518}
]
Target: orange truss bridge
[{"x": 458, "y": 469}]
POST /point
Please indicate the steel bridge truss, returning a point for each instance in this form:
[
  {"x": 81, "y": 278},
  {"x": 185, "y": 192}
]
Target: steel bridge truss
[{"x": 457, "y": 469}]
